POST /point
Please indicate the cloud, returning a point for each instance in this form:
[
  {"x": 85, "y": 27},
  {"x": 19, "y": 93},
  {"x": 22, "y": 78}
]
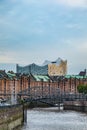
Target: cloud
[
  {"x": 72, "y": 3},
  {"x": 73, "y": 26},
  {"x": 82, "y": 49},
  {"x": 34, "y": 30},
  {"x": 76, "y": 55},
  {"x": 5, "y": 59}
]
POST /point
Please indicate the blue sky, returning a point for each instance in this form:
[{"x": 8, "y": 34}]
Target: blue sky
[{"x": 35, "y": 30}]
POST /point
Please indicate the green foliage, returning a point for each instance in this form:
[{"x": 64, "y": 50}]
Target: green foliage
[{"x": 82, "y": 88}]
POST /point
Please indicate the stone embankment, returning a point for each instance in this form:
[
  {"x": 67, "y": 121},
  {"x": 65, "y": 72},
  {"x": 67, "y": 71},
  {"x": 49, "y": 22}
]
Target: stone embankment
[
  {"x": 11, "y": 117},
  {"x": 76, "y": 105}
]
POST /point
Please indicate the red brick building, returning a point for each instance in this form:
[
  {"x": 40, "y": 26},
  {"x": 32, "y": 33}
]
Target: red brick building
[{"x": 13, "y": 84}]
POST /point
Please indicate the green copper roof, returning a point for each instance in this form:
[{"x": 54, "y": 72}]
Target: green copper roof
[
  {"x": 75, "y": 76},
  {"x": 11, "y": 76},
  {"x": 67, "y": 76},
  {"x": 41, "y": 77}
]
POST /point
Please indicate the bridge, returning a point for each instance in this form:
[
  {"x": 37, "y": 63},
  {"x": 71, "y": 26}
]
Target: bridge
[{"x": 49, "y": 95}]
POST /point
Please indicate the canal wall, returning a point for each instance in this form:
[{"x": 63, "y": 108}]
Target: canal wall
[
  {"x": 11, "y": 117},
  {"x": 76, "y": 105}
]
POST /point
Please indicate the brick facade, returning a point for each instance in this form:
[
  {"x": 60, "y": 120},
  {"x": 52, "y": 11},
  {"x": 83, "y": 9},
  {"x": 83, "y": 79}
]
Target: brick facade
[{"x": 8, "y": 86}]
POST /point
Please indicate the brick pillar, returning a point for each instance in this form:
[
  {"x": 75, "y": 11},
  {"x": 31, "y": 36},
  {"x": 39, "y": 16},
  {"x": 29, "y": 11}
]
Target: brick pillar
[
  {"x": 29, "y": 84},
  {"x": 64, "y": 85},
  {"x": 49, "y": 87},
  {"x": 21, "y": 83},
  {"x": 4, "y": 87},
  {"x": 75, "y": 82},
  {"x": 70, "y": 82},
  {"x": 42, "y": 87}
]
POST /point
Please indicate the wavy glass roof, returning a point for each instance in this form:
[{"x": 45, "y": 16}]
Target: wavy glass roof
[{"x": 33, "y": 69}]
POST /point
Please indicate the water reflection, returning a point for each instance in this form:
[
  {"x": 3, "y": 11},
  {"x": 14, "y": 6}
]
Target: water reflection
[{"x": 52, "y": 119}]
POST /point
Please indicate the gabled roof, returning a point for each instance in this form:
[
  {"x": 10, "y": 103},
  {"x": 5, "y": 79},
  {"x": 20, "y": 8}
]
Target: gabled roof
[
  {"x": 3, "y": 74},
  {"x": 41, "y": 78},
  {"x": 11, "y": 76},
  {"x": 56, "y": 78}
]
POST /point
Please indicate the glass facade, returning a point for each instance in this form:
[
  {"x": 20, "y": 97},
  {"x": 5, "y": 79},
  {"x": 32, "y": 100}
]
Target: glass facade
[{"x": 33, "y": 69}]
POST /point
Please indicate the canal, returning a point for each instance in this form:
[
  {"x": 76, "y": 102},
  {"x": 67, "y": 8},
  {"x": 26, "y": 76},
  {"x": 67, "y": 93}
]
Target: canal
[{"x": 53, "y": 119}]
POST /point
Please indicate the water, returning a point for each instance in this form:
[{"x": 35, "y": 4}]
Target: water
[{"x": 52, "y": 119}]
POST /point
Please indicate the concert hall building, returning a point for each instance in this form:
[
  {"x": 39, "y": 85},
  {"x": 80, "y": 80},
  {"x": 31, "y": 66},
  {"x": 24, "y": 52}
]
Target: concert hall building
[{"x": 51, "y": 68}]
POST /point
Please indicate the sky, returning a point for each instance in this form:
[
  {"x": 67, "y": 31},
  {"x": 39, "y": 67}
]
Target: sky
[{"x": 32, "y": 31}]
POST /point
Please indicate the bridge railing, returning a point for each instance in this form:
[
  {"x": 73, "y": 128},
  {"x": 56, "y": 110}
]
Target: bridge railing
[{"x": 37, "y": 92}]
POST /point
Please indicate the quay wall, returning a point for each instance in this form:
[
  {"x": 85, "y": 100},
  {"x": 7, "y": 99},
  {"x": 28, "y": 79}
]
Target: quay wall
[
  {"x": 11, "y": 117},
  {"x": 76, "y": 105}
]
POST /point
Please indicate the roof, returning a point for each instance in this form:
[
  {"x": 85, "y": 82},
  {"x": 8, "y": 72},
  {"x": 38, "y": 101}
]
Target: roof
[
  {"x": 56, "y": 78},
  {"x": 11, "y": 76},
  {"x": 82, "y": 73},
  {"x": 75, "y": 76},
  {"x": 41, "y": 78},
  {"x": 3, "y": 74},
  {"x": 57, "y": 62}
]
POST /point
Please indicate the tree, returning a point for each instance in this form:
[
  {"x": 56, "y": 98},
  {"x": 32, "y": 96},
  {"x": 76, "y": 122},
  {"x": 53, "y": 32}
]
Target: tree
[{"x": 82, "y": 88}]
